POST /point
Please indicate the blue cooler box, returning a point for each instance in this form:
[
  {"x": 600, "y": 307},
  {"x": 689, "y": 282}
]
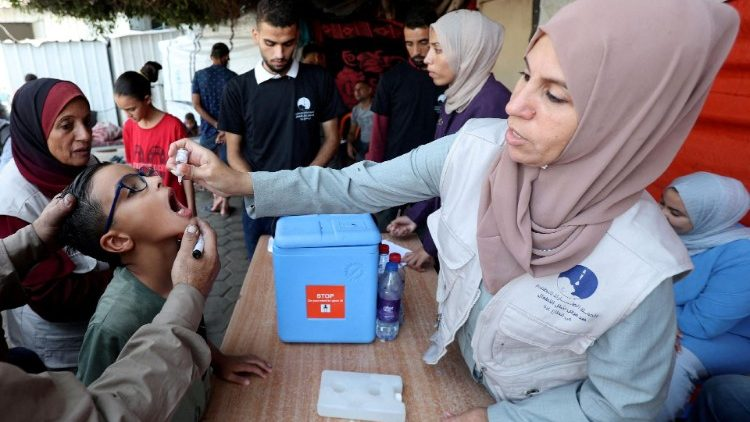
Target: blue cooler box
[{"x": 325, "y": 271}]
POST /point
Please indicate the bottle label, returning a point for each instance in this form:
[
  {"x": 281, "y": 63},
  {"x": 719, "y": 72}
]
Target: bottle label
[
  {"x": 381, "y": 264},
  {"x": 388, "y": 310}
]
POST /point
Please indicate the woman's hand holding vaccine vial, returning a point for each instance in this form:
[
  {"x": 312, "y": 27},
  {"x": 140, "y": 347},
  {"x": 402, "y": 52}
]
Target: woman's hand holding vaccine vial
[{"x": 203, "y": 166}]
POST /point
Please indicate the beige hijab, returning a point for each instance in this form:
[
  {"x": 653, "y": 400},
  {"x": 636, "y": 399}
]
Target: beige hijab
[
  {"x": 471, "y": 42},
  {"x": 639, "y": 72}
]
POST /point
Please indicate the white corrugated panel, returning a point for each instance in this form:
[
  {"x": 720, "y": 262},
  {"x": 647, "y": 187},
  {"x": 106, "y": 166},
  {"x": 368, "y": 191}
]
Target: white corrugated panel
[
  {"x": 131, "y": 51},
  {"x": 83, "y": 62}
]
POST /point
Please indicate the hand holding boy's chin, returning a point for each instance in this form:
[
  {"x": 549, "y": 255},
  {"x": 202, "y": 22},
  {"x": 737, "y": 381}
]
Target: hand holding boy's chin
[{"x": 197, "y": 272}]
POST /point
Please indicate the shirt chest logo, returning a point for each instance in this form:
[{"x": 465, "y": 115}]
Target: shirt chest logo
[
  {"x": 304, "y": 112},
  {"x": 440, "y": 101},
  {"x": 578, "y": 282}
]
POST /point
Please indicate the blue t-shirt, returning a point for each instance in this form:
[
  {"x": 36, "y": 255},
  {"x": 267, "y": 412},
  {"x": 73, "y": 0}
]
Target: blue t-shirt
[
  {"x": 363, "y": 118},
  {"x": 209, "y": 84},
  {"x": 713, "y": 308}
]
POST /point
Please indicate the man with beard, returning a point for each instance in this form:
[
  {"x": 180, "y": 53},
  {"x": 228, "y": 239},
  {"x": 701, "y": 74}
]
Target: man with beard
[
  {"x": 407, "y": 102},
  {"x": 273, "y": 114}
]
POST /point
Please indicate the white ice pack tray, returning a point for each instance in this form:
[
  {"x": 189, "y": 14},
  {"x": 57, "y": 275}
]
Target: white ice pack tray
[{"x": 363, "y": 396}]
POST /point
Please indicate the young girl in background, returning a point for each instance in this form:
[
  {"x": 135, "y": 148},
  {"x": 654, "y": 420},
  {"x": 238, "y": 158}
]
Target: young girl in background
[
  {"x": 713, "y": 301},
  {"x": 149, "y": 131}
]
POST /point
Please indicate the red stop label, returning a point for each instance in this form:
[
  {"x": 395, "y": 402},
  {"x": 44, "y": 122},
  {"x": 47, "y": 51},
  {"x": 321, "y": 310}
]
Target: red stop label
[{"x": 325, "y": 301}]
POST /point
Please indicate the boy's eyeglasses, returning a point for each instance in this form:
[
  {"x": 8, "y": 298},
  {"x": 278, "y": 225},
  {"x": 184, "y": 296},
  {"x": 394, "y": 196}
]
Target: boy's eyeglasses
[{"x": 133, "y": 182}]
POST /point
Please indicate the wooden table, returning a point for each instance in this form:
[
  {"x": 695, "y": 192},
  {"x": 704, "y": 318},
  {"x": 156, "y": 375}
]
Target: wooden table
[{"x": 290, "y": 393}]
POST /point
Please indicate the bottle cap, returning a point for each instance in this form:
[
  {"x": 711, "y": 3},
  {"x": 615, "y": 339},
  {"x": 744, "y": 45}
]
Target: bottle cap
[
  {"x": 391, "y": 266},
  {"x": 383, "y": 248},
  {"x": 395, "y": 257}
]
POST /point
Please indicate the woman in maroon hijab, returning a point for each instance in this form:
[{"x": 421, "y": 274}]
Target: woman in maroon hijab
[{"x": 51, "y": 133}]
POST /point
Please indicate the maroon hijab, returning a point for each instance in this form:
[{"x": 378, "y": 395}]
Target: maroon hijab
[
  {"x": 639, "y": 72},
  {"x": 35, "y": 107}
]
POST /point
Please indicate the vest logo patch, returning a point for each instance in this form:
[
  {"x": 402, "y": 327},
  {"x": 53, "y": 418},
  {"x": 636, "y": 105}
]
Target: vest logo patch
[
  {"x": 304, "y": 113},
  {"x": 303, "y": 104},
  {"x": 578, "y": 282}
]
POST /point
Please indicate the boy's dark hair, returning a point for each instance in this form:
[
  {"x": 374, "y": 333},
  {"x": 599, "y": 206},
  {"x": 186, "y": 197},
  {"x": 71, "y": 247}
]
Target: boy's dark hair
[
  {"x": 138, "y": 84},
  {"x": 219, "y": 50},
  {"x": 84, "y": 227},
  {"x": 420, "y": 17},
  {"x": 277, "y": 13},
  {"x": 190, "y": 116}
]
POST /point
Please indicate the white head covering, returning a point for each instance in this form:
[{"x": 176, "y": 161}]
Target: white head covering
[
  {"x": 471, "y": 42},
  {"x": 715, "y": 205}
]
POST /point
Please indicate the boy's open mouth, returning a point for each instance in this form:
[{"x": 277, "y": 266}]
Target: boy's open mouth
[{"x": 179, "y": 208}]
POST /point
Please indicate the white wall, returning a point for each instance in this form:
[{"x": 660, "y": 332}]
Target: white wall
[
  {"x": 50, "y": 27},
  {"x": 47, "y": 28},
  {"x": 83, "y": 62}
]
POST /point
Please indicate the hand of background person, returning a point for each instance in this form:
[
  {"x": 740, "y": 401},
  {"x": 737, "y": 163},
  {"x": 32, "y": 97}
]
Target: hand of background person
[
  {"x": 206, "y": 168},
  {"x": 419, "y": 260},
  {"x": 221, "y": 137},
  {"x": 401, "y": 226},
  {"x": 351, "y": 151},
  {"x": 477, "y": 414},
  {"x": 47, "y": 224},
  {"x": 239, "y": 369},
  {"x": 199, "y": 273}
]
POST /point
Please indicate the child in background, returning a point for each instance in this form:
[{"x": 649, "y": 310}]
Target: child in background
[
  {"x": 713, "y": 301},
  {"x": 139, "y": 236},
  {"x": 191, "y": 125},
  {"x": 149, "y": 131},
  {"x": 361, "y": 122}
]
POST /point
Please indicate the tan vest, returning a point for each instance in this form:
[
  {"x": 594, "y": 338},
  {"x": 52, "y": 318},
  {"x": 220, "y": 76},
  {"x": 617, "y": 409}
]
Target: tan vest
[
  {"x": 454, "y": 226},
  {"x": 534, "y": 333}
]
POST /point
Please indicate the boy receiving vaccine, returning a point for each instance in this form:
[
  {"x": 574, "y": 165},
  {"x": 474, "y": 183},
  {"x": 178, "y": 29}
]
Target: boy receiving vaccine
[{"x": 131, "y": 220}]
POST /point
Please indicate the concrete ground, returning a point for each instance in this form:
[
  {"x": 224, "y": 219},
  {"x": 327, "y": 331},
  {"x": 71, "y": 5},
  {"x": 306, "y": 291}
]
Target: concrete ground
[{"x": 234, "y": 263}]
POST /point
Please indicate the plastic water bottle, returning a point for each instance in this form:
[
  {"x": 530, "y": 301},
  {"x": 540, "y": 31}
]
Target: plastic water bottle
[
  {"x": 383, "y": 250},
  {"x": 390, "y": 288},
  {"x": 396, "y": 257}
]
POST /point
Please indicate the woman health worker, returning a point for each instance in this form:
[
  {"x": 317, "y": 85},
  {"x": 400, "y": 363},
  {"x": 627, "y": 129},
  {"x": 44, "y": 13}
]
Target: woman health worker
[{"x": 556, "y": 266}]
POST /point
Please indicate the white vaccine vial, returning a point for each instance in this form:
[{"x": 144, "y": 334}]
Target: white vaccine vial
[{"x": 181, "y": 158}]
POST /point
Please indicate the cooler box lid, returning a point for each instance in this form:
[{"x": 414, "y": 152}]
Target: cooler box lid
[{"x": 325, "y": 230}]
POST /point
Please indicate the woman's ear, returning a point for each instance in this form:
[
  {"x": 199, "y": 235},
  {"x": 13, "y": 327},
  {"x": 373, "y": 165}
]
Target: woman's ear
[{"x": 116, "y": 242}]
